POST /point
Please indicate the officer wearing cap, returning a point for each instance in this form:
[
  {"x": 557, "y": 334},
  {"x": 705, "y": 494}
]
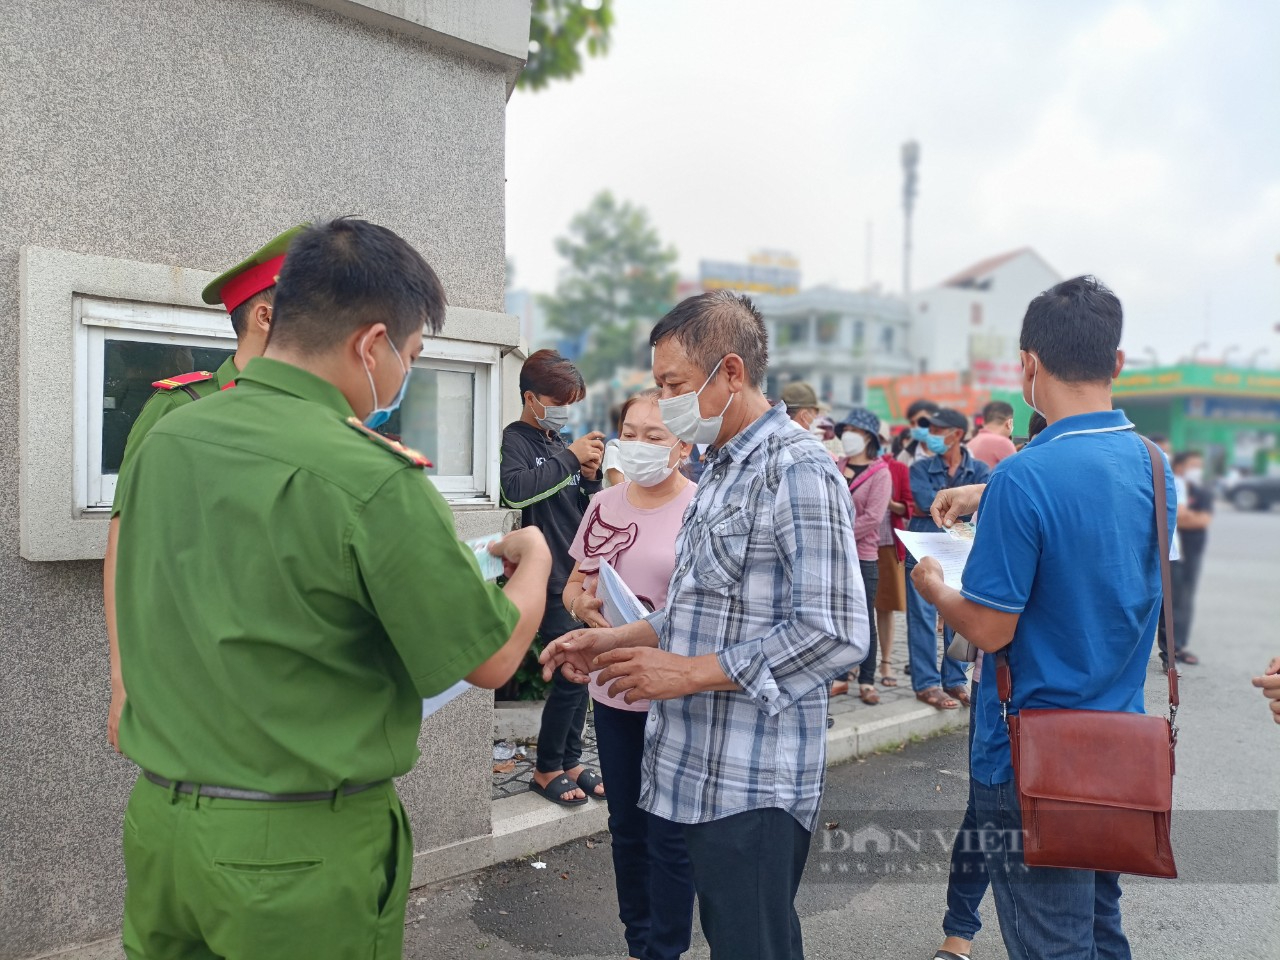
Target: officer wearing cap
[
  {"x": 277, "y": 642},
  {"x": 247, "y": 291}
]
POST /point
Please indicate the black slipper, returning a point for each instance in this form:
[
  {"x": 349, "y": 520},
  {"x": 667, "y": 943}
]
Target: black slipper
[
  {"x": 948, "y": 955},
  {"x": 557, "y": 789},
  {"x": 588, "y": 780}
]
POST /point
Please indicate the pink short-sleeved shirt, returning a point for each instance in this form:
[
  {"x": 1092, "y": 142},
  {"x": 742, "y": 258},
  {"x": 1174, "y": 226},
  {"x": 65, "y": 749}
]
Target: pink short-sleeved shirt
[{"x": 639, "y": 544}]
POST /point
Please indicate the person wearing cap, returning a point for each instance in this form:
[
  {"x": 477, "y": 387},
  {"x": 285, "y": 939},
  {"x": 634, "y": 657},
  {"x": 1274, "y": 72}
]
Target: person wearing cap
[
  {"x": 247, "y": 291},
  {"x": 949, "y": 465},
  {"x": 802, "y": 403},
  {"x": 918, "y": 446},
  {"x": 277, "y": 644},
  {"x": 870, "y": 486}
]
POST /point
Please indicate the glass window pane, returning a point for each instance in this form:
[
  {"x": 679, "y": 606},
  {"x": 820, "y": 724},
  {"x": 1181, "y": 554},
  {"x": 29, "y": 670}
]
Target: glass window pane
[
  {"x": 437, "y": 418},
  {"x": 130, "y": 367}
]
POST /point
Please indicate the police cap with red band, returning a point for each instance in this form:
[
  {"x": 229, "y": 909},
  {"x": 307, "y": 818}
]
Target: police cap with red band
[{"x": 252, "y": 275}]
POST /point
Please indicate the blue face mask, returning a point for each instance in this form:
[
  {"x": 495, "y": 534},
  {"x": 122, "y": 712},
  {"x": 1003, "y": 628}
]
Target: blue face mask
[
  {"x": 380, "y": 415},
  {"x": 920, "y": 434},
  {"x": 936, "y": 444}
]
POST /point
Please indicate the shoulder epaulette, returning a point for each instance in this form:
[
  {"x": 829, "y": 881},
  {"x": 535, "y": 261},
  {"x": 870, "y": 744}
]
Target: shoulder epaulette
[
  {"x": 399, "y": 449},
  {"x": 182, "y": 380}
]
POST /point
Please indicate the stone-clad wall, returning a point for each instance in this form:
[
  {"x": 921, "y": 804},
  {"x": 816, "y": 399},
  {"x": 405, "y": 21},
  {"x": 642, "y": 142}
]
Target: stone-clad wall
[{"x": 186, "y": 133}]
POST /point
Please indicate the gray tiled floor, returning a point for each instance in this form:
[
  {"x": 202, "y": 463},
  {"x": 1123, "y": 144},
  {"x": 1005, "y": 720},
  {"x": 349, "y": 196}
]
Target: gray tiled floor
[{"x": 518, "y": 780}]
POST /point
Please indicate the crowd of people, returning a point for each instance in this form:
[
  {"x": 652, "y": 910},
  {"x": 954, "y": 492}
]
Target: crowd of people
[{"x": 757, "y": 536}]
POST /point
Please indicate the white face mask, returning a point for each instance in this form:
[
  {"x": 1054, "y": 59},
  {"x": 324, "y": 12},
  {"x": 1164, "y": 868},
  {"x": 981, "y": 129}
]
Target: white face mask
[
  {"x": 553, "y": 418},
  {"x": 646, "y": 464},
  {"x": 684, "y": 418},
  {"x": 854, "y": 443},
  {"x": 1195, "y": 475}
]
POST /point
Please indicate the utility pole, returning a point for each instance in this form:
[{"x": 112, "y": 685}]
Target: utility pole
[{"x": 910, "y": 160}]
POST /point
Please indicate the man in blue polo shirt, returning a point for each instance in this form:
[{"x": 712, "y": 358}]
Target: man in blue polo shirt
[{"x": 1065, "y": 572}]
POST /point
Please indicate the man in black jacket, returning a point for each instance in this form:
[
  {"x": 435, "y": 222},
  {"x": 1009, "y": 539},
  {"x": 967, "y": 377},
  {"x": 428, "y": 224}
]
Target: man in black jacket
[{"x": 550, "y": 482}]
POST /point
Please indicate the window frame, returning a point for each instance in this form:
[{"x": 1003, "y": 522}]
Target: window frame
[{"x": 99, "y": 319}]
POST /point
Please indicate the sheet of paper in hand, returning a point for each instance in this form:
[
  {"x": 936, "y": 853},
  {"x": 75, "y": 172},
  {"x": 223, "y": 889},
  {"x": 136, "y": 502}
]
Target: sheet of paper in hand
[
  {"x": 620, "y": 604},
  {"x": 490, "y": 566},
  {"x": 950, "y": 552}
]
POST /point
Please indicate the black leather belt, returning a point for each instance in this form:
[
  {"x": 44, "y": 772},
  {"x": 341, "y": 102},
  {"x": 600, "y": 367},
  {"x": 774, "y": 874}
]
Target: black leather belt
[{"x": 231, "y": 793}]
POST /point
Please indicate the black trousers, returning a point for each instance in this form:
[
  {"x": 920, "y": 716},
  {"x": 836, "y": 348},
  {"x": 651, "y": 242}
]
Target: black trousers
[
  {"x": 746, "y": 871},
  {"x": 871, "y": 581},
  {"x": 565, "y": 712}
]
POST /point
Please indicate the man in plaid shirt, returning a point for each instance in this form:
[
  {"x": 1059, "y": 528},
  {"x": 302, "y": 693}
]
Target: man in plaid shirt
[{"x": 765, "y": 608}]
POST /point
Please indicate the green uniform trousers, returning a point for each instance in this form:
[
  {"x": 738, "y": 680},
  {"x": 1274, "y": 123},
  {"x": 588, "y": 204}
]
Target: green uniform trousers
[{"x": 243, "y": 880}]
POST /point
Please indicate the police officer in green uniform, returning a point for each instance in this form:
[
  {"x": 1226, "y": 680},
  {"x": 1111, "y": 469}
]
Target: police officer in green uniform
[
  {"x": 282, "y": 617},
  {"x": 247, "y": 291}
]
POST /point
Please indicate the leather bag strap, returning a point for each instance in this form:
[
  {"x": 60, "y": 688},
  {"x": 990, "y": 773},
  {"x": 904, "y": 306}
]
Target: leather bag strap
[
  {"x": 1004, "y": 677},
  {"x": 1166, "y": 589}
]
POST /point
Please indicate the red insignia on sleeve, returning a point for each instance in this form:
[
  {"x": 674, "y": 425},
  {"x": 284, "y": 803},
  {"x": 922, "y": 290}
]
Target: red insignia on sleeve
[
  {"x": 182, "y": 380},
  {"x": 399, "y": 449}
]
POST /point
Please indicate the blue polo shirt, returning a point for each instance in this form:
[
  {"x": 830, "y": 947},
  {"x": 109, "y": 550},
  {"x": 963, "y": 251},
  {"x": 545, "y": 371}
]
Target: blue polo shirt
[{"x": 1067, "y": 539}]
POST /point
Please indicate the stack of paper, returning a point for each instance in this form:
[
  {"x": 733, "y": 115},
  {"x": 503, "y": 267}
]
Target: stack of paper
[{"x": 620, "y": 604}]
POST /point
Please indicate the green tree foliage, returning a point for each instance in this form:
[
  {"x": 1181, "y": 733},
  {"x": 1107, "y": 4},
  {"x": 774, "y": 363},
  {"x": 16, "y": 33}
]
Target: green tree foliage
[
  {"x": 618, "y": 280},
  {"x": 559, "y": 32}
]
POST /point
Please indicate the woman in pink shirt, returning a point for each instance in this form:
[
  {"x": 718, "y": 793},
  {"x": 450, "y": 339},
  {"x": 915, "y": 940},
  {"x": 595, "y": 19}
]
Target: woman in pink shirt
[
  {"x": 633, "y": 526},
  {"x": 870, "y": 485}
]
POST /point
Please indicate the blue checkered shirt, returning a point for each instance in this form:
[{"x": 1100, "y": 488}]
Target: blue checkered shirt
[{"x": 766, "y": 578}]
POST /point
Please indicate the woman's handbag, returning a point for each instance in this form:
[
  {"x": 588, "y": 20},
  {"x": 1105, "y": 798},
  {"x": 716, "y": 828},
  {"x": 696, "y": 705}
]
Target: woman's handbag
[{"x": 1096, "y": 787}]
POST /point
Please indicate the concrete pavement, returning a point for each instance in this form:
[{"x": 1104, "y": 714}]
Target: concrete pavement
[{"x": 1227, "y": 762}]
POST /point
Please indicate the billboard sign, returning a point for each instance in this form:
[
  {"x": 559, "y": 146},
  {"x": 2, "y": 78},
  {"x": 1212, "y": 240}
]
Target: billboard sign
[{"x": 766, "y": 272}]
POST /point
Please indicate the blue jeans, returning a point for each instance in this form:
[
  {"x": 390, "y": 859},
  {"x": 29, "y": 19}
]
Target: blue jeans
[
  {"x": 922, "y": 642},
  {"x": 1045, "y": 913},
  {"x": 650, "y": 862},
  {"x": 967, "y": 882}
]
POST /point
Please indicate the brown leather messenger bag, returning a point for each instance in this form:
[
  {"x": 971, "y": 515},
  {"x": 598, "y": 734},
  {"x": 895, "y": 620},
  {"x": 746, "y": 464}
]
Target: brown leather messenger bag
[{"x": 1096, "y": 787}]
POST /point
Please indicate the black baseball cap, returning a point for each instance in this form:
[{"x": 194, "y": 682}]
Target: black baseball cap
[
  {"x": 919, "y": 407},
  {"x": 946, "y": 417}
]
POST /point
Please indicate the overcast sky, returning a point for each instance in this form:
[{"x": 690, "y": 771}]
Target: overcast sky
[{"x": 1137, "y": 141}]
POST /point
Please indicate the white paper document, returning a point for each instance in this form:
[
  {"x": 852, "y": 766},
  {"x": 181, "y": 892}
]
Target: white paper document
[
  {"x": 951, "y": 554},
  {"x": 620, "y": 604},
  {"x": 432, "y": 704}
]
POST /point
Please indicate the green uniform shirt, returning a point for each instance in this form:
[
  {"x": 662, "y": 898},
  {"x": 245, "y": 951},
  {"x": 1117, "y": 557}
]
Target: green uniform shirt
[
  {"x": 282, "y": 617},
  {"x": 164, "y": 402}
]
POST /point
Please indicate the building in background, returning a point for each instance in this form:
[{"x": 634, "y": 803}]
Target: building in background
[
  {"x": 836, "y": 340},
  {"x": 971, "y": 321},
  {"x": 1230, "y": 414},
  {"x": 765, "y": 272}
]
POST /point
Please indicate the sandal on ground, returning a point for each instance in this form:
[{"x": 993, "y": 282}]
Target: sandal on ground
[
  {"x": 888, "y": 680},
  {"x": 839, "y": 687},
  {"x": 867, "y": 694},
  {"x": 557, "y": 790},
  {"x": 958, "y": 693},
  {"x": 1187, "y": 657},
  {"x": 935, "y": 698},
  {"x": 588, "y": 780},
  {"x": 948, "y": 955}
]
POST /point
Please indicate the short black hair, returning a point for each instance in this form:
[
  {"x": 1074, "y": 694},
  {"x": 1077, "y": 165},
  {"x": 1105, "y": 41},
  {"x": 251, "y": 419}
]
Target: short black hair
[
  {"x": 997, "y": 410},
  {"x": 715, "y": 324},
  {"x": 1037, "y": 424},
  {"x": 1182, "y": 456},
  {"x": 240, "y": 315},
  {"x": 921, "y": 406},
  {"x": 347, "y": 274},
  {"x": 1074, "y": 328}
]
